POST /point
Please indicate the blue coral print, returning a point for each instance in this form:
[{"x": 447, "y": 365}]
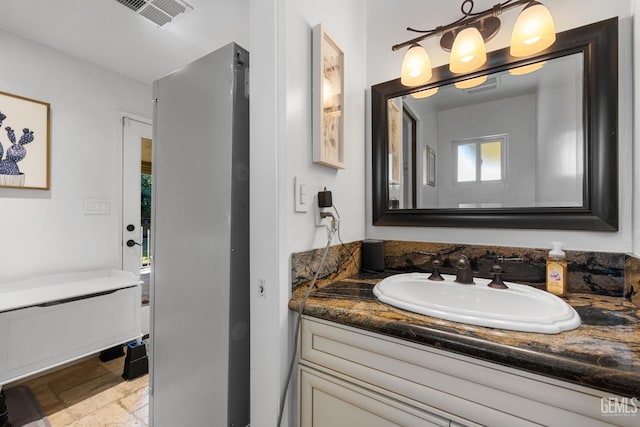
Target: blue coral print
[{"x": 16, "y": 152}]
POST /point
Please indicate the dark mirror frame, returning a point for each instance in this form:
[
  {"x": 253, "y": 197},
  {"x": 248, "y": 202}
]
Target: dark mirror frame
[{"x": 599, "y": 44}]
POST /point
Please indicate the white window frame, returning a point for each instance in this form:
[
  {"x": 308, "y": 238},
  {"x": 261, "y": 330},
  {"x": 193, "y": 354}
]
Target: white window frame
[{"x": 478, "y": 141}]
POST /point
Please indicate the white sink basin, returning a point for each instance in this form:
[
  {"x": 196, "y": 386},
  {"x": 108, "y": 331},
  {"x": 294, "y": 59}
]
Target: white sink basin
[{"x": 519, "y": 308}]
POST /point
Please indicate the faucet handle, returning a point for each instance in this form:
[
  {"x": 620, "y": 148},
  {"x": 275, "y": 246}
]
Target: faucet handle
[
  {"x": 435, "y": 274},
  {"x": 496, "y": 282},
  {"x": 464, "y": 275},
  {"x": 463, "y": 262}
]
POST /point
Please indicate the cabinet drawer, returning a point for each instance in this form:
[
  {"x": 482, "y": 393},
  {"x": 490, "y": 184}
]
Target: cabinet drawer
[{"x": 464, "y": 389}]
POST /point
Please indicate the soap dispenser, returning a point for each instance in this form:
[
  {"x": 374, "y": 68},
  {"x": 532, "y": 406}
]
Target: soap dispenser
[{"x": 557, "y": 278}]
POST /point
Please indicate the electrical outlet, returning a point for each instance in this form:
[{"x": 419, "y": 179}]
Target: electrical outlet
[
  {"x": 319, "y": 220},
  {"x": 322, "y": 203}
]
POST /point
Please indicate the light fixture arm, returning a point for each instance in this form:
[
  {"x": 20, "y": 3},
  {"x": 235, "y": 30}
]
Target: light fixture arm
[{"x": 468, "y": 18}]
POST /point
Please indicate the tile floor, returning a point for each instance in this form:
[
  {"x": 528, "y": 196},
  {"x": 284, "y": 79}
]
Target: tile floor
[{"x": 91, "y": 393}]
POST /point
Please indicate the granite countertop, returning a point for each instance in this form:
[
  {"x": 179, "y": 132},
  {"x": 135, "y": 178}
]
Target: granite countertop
[{"x": 603, "y": 353}]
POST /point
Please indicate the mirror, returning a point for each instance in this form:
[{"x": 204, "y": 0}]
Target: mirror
[
  {"x": 515, "y": 140},
  {"x": 521, "y": 149}
]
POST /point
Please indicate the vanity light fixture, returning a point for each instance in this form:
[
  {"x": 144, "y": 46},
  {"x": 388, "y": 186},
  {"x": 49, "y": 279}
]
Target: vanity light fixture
[
  {"x": 468, "y": 52},
  {"x": 416, "y": 67},
  {"x": 465, "y": 38},
  {"x": 533, "y": 31}
]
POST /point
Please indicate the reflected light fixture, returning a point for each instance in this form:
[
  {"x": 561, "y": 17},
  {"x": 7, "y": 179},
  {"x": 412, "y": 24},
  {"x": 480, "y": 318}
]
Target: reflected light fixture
[
  {"x": 425, "y": 93},
  {"x": 526, "y": 69},
  {"x": 466, "y": 37}
]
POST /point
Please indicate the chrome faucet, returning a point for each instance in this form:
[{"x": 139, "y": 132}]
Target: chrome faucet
[{"x": 464, "y": 275}]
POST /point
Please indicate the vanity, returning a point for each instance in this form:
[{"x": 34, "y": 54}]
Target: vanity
[
  {"x": 361, "y": 359},
  {"x": 363, "y": 362}
]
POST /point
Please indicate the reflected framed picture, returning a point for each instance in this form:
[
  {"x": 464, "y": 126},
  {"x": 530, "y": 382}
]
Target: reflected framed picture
[
  {"x": 431, "y": 166},
  {"x": 24, "y": 142},
  {"x": 395, "y": 142},
  {"x": 328, "y": 100}
]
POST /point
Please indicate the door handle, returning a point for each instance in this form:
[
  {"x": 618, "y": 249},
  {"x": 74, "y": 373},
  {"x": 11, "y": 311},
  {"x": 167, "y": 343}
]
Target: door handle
[{"x": 131, "y": 243}]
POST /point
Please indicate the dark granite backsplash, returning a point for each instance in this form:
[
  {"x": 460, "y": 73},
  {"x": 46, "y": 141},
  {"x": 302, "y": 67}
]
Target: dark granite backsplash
[
  {"x": 632, "y": 278},
  {"x": 341, "y": 261},
  {"x": 602, "y": 273}
]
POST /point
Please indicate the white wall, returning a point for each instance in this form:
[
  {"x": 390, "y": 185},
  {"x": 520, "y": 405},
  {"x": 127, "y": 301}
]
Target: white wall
[
  {"x": 46, "y": 231},
  {"x": 280, "y": 38},
  {"x": 347, "y": 28},
  {"x": 386, "y": 26},
  {"x": 269, "y": 337},
  {"x": 559, "y": 154},
  {"x": 510, "y": 116},
  {"x": 636, "y": 128}
]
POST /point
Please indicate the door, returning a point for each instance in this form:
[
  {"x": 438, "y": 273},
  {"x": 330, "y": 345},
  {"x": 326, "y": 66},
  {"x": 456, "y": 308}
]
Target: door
[{"x": 136, "y": 203}]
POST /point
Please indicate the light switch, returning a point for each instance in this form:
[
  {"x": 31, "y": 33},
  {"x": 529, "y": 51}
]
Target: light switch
[
  {"x": 97, "y": 206},
  {"x": 301, "y": 194}
]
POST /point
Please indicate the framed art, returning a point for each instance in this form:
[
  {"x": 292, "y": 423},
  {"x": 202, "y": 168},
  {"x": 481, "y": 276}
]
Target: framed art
[
  {"x": 395, "y": 142},
  {"x": 431, "y": 166},
  {"x": 24, "y": 142},
  {"x": 328, "y": 100}
]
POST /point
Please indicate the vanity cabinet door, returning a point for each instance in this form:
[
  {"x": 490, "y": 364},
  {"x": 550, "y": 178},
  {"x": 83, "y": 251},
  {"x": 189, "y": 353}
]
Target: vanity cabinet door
[{"x": 326, "y": 401}]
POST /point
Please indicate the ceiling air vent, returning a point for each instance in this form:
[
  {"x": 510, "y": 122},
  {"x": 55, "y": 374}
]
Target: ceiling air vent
[
  {"x": 491, "y": 84},
  {"x": 159, "y": 12}
]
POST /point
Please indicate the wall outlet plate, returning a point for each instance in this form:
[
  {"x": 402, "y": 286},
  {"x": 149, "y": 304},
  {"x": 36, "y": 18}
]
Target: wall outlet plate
[{"x": 320, "y": 222}]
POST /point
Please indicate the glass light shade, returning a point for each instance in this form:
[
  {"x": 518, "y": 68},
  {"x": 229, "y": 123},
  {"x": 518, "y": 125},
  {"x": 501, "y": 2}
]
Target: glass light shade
[
  {"x": 425, "y": 93},
  {"x": 533, "y": 31},
  {"x": 526, "y": 69},
  {"x": 416, "y": 67},
  {"x": 468, "y": 84},
  {"x": 468, "y": 52}
]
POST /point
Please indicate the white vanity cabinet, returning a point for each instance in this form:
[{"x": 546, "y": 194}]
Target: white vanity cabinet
[{"x": 352, "y": 377}]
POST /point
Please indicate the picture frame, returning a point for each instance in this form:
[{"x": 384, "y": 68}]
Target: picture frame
[
  {"x": 24, "y": 142},
  {"x": 431, "y": 166},
  {"x": 395, "y": 142},
  {"x": 328, "y": 100}
]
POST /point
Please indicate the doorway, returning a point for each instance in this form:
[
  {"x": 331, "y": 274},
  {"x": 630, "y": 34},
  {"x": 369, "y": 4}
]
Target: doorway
[{"x": 137, "y": 181}]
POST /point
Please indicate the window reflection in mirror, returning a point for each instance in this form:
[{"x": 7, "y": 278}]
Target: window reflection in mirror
[
  {"x": 514, "y": 140},
  {"x": 480, "y": 159}
]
